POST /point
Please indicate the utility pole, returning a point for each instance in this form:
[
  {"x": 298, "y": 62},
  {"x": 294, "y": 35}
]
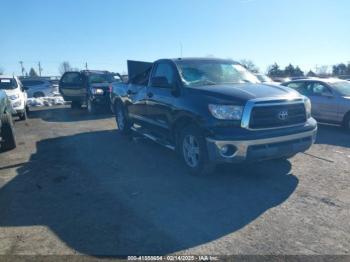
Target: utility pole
[
  {"x": 40, "y": 68},
  {"x": 86, "y": 66},
  {"x": 22, "y": 68}
]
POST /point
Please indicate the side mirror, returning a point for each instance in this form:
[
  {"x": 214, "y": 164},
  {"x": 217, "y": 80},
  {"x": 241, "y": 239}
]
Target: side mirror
[{"x": 160, "y": 81}]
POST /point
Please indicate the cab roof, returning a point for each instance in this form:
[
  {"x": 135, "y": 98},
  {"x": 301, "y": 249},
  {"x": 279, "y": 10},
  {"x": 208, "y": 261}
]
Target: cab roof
[{"x": 213, "y": 59}]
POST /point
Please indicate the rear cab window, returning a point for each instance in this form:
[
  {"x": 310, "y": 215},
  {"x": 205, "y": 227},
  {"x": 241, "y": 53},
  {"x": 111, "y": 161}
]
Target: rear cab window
[{"x": 72, "y": 79}]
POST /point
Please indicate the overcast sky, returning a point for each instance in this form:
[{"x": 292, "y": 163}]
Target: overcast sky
[{"x": 105, "y": 33}]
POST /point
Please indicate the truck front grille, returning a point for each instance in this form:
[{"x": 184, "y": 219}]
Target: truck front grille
[{"x": 275, "y": 116}]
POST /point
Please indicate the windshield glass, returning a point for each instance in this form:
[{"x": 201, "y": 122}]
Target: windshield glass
[
  {"x": 264, "y": 78},
  {"x": 100, "y": 78},
  {"x": 343, "y": 87},
  {"x": 194, "y": 73},
  {"x": 8, "y": 83}
]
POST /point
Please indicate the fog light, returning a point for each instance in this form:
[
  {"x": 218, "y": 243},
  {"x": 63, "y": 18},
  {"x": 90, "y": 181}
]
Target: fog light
[{"x": 228, "y": 150}]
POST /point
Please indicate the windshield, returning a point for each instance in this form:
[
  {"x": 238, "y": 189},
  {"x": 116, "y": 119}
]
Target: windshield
[
  {"x": 194, "y": 73},
  {"x": 264, "y": 78},
  {"x": 100, "y": 78},
  {"x": 343, "y": 87},
  {"x": 8, "y": 83}
]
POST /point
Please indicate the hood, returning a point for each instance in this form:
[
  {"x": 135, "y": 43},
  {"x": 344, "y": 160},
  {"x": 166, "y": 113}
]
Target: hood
[
  {"x": 10, "y": 92},
  {"x": 247, "y": 91}
]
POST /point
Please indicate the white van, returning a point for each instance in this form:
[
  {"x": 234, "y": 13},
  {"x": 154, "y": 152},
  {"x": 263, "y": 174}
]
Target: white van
[{"x": 16, "y": 94}]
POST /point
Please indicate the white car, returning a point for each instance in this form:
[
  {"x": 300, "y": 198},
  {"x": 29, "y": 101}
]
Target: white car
[{"x": 16, "y": 94}]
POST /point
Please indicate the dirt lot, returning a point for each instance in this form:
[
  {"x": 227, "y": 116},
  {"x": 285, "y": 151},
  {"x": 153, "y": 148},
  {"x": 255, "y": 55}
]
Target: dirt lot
[{"x": 74, "y": 185}]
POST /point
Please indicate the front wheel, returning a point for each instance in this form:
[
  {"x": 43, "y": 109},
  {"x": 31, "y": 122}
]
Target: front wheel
[
  {"x": 194, "y": 151},
  {"x": 8, "y": 141},
  {"x": 124, "y": 126},
  {"x": 91, "y": 107},
  {"x": 346, "y": 122},
  {"x": 23, "y": 115}
]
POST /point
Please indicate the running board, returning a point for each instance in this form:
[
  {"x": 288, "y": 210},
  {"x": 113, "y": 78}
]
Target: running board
[{"x": 153, "y": 138}]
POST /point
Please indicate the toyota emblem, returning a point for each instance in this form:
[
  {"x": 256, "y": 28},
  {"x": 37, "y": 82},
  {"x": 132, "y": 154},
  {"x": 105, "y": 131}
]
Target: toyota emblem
[{"x": 283, "y": 115}]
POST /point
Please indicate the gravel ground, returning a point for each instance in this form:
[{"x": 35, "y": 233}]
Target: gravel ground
[{"x": 75, "y": 186}]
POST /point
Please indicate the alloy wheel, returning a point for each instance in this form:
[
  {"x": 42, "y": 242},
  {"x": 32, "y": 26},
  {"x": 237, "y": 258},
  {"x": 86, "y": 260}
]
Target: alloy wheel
[{"x": 191, "y": 151}]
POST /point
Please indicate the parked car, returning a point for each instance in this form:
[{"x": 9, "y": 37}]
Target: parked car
[
  {"x": 88, "y": 86},
  {"x": 36, "y": 87},
  {"x": 330, "y": 98},
  {"x": 16, "y": 93},
  {"x": 212, "y": 111},
  {"x": 7, "y": 131}
]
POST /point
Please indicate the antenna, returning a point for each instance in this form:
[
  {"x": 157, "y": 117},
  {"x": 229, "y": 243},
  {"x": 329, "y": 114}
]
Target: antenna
[{"x": 40, "y": 68}]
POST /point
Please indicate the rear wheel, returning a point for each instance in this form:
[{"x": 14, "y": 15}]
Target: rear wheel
[
  {"x": 8, "y": 141},
  {"x": 194, "y": 151},
  {"x": 124, "y": 125}
]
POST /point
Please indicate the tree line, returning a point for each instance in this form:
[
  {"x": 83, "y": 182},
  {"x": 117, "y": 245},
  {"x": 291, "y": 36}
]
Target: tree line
[
  {"x": 290, "y": 70},
  {"x": 273, "y": 70}
]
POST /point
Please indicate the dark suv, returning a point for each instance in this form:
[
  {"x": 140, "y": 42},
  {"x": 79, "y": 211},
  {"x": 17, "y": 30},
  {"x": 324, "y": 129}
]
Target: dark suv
[{"x": 90, "y": 87}]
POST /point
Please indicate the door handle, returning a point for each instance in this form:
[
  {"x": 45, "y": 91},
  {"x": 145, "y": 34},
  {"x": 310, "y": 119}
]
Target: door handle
[{"x": 150, "y": 94}]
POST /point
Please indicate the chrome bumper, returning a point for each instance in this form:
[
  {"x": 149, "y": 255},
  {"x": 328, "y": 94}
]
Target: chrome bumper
[{"x": 260, "y": 149}]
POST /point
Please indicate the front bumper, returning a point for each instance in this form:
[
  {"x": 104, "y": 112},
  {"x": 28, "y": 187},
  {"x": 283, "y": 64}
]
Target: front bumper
[
  {"x": 261, "y": 149},
  {"x": 18, "y": 106}
]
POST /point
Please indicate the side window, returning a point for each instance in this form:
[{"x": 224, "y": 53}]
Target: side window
[
  {"x": 165, "y": 70},
  {"x": 318, "y": 89},
  {"x": 72, "y": 79},
  {"x": 298, "y": 86}
]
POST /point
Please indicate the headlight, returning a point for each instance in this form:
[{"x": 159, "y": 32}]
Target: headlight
[
  {"x": 97, "y": 91},
  {"x": 17, "y": 104},
  {"x": 226, "y": 112},
  {"x": 307, "y": 107},
  {"x": 13, "y": 97}
]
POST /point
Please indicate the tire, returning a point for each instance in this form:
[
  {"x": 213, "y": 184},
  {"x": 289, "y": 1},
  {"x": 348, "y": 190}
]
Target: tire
[
  {"x": 124, "y": 125},
  {"x": 346, "y": 122},
  {"x": 91, "y": 107},
  {"x": 194, "y": 152},
  {"x": 75, "y": 105},
  {"x": 23, "y": 115},
  {"x": 7, "y": 133},
  {"x": 38, "y": 94}
]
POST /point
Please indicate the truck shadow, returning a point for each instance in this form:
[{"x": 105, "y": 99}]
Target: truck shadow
[
  {"x": 333, "y": 135},
  {"x": 105, "y": 195},
  {"x": 66, "y": 114}
]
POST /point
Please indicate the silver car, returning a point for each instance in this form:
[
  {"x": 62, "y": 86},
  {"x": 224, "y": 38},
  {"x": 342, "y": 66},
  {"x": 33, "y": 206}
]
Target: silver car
[
  {"x": 39, "y": 87},
  {"x": 330, "y": 98}
]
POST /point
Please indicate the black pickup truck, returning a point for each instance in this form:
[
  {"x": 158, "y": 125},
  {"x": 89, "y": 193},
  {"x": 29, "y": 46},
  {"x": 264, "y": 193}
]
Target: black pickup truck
[
  {"x": 212, "y": 111},
  {"x": 7, "y": 132}
]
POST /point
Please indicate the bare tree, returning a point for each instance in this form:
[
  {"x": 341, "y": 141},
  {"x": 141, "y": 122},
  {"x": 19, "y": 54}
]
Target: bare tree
[
  {"x": 248, "y": 64},
  {"x": 64, "y": 67}
]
